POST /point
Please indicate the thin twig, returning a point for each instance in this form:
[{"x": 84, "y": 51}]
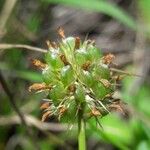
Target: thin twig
[
  {"x": 5, "y": 13},
  {"x": 42, "y": 126},
  {"x": 11, "y": 98},
  {"x": 21, "y": 46},
  {"x": 16, "y": 109},
  {"x": 124, "y": 72},
  {"x": 32, "y": 121}
]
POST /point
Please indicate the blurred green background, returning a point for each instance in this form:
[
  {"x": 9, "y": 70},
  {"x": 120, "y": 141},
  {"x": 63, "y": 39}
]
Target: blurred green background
[{"x": 121, "y": 27}]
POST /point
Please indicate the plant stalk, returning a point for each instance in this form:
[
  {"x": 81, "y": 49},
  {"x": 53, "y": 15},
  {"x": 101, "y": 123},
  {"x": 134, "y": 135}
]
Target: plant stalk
[{"x": 81, "y": 132}]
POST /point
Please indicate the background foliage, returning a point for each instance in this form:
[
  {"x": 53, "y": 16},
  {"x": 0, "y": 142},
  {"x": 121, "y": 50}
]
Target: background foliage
[{"x": 118, "y": 26}]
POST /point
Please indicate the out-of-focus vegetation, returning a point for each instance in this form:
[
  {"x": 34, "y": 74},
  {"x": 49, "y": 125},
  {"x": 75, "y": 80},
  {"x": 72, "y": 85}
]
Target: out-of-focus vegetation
[{"x": 118, "y": 26}]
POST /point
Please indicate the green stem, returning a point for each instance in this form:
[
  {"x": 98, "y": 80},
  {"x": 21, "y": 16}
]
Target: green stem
[{"x": 81, "y": 133}]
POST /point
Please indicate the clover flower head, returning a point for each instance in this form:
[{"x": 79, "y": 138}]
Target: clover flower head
[{"x": 76, "y": 76}]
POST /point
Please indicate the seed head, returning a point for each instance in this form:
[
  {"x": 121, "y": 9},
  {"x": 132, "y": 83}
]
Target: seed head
[{"x": 76, "y": 77}]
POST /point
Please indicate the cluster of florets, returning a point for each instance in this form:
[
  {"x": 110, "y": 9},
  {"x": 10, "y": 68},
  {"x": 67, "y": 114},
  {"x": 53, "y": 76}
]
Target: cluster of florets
[{"x": 76, "y": 77}]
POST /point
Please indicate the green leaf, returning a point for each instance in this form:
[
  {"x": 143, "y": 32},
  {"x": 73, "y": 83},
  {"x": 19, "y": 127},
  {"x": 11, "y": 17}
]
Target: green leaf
[
  {"x": 25, "y": 74},
  {"x": 144, "y": 7},
  {"x": 144, "y": 145},
  {"x": 29, "y": 75},
  {"x": 100, "y": 6},
  {"x": 33, "y": 23},
  {"x": 115, "y": 131}
]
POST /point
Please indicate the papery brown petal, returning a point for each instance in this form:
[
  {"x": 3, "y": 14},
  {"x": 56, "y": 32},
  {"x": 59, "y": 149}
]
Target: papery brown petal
[
  {"x": 39, "y": 86},
  {"x": 77, "y": 43},
  {"x": 62, "y": 110},
  {"x": 105, "y": 82},
  {"x": 54, "y": 45},
  {"x": 108, "y": 96},
  {"x": 45, "y": 105},
  {"x": 61, "y": 32},
  {"x": 95, "y": 112},
  {"x": 46, "y": 115},
  {"x": 72, "y": 88},
  {"x": 86, "y": 65},
  {"x": 108, "y": 58},
  {"x": 118, "y": 77},
  {"x": 51, "y": 44},
  {"x": 64, "y": 60},
  {"x": 48, "y": 43},
  {"x": 91, "y": 42},
  {"x": 116, "y": 107},
  {"x": 38, "y": 64}
]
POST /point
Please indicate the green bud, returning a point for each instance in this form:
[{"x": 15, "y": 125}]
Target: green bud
[
  {"x": 69, "y": 116},
  {"x": 80, "y": 94},
  {"x": 49, "y": 77},
  {"x": 87, "y": 78},
  {"x": 81, "y": 56},
  {"x": 57, "y": 93},
  {"x": 93, "y": 53},
  {"x": 52, "y": 58},
  {"x": 67, "y": 47},
  {"x": 101, "y": 71},
  {"x": 69, "y": 43},
  {"x": 100, "y": 90},
  {"x": 67, "y": 75}
]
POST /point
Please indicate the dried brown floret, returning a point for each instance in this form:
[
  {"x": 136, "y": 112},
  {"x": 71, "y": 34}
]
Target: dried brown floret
[
  {"x": 91, "y": 42},
  {"x": 72, "y": 88},
  {"x": 105, "y": 82},
  {"x": 38, "y": 64},
  {"x": 77, "y": 43},
  {"x": 117, "y": 106},
  {"x": 46, "y": 115},
  {"x": 108, "y": 58},
  {"x": 62, "y": 110},
  {"x": 45, "y": 105},
  {"x": 61, "y": 32},
  {"x": 48, "y": 43},
  {"x": 118, "y": 77},
  {"x": 39, "y": 86},
  {"x": 64, "y": 60},
  {"x": 95, "y": 112},
  {"x": 54, "y": 45},
  {"x": 86, "y": 65}
]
